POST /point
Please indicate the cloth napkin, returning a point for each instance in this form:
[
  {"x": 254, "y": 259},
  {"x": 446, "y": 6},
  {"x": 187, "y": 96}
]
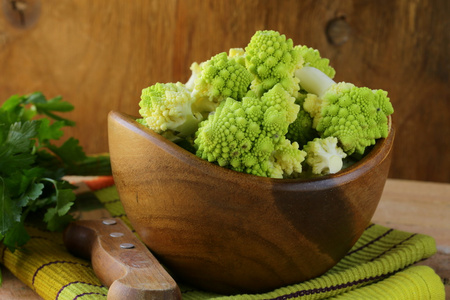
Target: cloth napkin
[{"x": 379, "y": 266}]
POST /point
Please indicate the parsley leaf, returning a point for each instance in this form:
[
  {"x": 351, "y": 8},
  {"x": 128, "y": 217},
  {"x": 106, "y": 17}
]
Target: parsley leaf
[
  {"x": 11, "y": 212},
  {"x": 32, "y": 166}
]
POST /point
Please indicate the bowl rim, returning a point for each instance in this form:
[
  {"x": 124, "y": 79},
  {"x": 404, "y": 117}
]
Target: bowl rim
[{"x": 375, "y": 156}]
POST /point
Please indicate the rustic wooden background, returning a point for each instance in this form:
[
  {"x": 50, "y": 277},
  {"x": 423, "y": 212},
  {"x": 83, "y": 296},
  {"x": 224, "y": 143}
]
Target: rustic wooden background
[{"x": 100, "y": 54}]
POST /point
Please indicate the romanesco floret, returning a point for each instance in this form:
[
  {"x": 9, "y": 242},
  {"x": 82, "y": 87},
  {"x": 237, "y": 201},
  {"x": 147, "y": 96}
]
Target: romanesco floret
[
  {"x": 238, "y": 54},
  {"x": 222, "y": 77},
  {"x": 356, "y": 116},
  {"x": 301, "y": 130},
  {"x": 312, "y": 58},
  {"x": 273, "y": 59},
  {"x": 249, "y": 135},
  {"x": 286, "y": 160},
  {"x": 167, "y": 107},
  {"x": 195, "y": 73},
  {"x": 324, "y": 156}
]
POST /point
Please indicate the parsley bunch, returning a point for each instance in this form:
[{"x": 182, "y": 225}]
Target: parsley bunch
[{"x": 32, "y": 166}]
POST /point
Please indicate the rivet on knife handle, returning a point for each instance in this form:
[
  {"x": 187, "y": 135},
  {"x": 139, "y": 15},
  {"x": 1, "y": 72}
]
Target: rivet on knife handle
[{"x": 120, "y": 260}]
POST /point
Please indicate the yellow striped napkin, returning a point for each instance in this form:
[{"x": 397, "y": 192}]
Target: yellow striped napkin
[{"x": 379, "y": 266}]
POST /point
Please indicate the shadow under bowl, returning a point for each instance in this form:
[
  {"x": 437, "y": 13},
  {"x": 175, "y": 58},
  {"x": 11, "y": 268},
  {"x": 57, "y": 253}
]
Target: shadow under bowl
[{"x": 230, "y": 232}]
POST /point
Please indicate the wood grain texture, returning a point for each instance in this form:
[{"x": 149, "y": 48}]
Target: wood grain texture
[
  {"x": 99, "y": 55},
  {"x": 421, "y": 207},
  {"x": 415, "y": 206},
  {"x": 230, "y": 232}
]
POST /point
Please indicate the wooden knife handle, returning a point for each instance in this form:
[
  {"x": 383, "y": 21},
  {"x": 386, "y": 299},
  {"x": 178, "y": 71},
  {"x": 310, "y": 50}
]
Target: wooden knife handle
[{"x": 120, "y": 260}]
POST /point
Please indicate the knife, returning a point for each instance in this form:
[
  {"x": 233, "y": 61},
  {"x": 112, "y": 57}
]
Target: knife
[{"x": 120, "y": 260}]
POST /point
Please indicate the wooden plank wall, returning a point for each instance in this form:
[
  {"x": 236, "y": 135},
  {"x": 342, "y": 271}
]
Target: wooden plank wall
[{"x": 100, "y": 54}]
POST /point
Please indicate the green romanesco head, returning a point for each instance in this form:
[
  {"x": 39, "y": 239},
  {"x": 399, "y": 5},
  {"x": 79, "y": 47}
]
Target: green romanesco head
[
  {"x": 301, "y": 130},
  {"x": 312, "y": 58},
  {"x": 313, "y": 105},
  {"x": 286, "y": 160},
  {"x": 167, "y": 106},
  {"x": 248, "y": 135},
  {"x": 237, "y": 54},
  {"x": 222, "y": 77},
  {"x": 356, "y": 116},
  {"x": 279, "y": 100},
  {"x": 324, "y": 156},
  {"x": 273, "y": 59}
]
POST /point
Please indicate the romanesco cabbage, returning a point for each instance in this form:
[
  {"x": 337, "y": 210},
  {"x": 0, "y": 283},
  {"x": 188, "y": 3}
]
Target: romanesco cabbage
[
  {"x": 356, "y": 116},
  {"x": 268, "y": 109},
  {"x": 238, "y": 54},
  {"x": 167, "y": 108},
  {"x": 196, "y": 69},
  {"x": 273, "y": 59},
  {"x": 312, "y": 58},
  {"x": 222, "y": 77},
  {"x": 249, "y": 135},
  {"x": 301, "y": 130}
]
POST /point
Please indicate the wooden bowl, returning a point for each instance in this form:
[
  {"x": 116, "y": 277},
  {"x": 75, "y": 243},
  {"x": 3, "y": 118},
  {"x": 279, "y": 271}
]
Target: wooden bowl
[{"x": 231, "y": 232}]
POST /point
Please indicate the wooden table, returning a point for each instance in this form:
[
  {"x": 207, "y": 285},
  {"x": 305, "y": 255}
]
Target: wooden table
[{"x": 413, "y": 206}]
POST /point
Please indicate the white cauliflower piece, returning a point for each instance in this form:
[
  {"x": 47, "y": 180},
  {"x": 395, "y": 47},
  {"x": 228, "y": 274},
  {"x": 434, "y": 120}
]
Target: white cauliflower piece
[{"x": 324, "y": 155}]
